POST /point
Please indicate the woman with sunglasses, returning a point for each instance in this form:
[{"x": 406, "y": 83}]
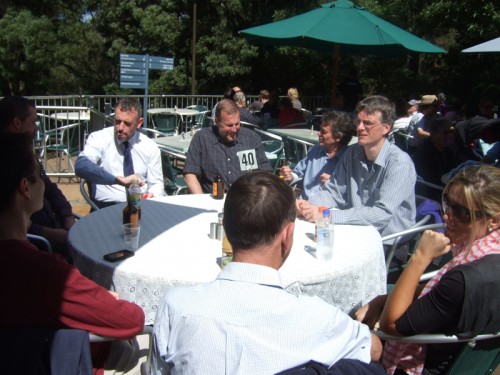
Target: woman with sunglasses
[{"x": 463, "y": 298}]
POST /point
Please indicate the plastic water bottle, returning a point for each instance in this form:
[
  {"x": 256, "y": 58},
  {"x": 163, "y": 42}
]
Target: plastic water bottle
[
  {"x": 324, "y": 246},
  {"x": 319, "y": 217}
]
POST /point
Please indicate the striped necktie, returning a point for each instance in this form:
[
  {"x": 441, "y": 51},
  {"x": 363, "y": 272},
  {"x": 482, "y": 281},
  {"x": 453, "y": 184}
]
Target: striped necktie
[{"x": 128, "y": 164}]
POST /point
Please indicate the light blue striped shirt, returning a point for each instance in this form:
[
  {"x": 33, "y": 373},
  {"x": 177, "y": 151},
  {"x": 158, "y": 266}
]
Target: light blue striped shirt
[
  {"x": 313, "y": 166},
  {"x": 246, "y": 323},
  {"x": 379, "y": 193}
]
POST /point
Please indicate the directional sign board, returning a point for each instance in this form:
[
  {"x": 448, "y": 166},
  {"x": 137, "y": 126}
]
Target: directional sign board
[
  {"x": 161, "y": 60},
  {"x": 132, "y": 64},
  {"x": 132, "y": 57},
  {"x": 160, "y": 66},
  {"x": 133, "y": 71}
]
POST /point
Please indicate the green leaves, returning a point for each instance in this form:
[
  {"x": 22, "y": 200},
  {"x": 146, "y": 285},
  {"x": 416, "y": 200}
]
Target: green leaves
[{"x": 72, "y": 47}]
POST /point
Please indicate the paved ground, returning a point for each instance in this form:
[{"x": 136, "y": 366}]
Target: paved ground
[{"x": 70, "y": 189}]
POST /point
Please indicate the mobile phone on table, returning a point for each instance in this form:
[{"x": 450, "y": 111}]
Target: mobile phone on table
[{"x": 118, "y": 255}]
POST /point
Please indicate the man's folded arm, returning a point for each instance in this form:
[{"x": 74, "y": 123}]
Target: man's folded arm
[{"x": 87, "y": 169}]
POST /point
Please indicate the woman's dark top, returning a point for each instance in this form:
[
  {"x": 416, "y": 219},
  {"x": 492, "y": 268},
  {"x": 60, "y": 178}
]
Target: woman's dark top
[{"x": 465, "y": 302}]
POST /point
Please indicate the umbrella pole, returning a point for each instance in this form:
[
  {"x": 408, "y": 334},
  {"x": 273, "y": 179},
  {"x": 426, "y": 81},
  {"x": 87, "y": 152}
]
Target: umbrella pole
[{"x": 335, "y": 73}]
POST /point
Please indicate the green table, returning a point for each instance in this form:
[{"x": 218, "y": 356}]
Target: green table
[{"x": 302, "y": 134}]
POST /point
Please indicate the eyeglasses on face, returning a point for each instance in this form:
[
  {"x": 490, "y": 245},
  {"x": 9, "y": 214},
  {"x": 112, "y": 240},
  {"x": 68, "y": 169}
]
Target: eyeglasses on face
[
  {"x": 459, "y": 212},
  {"x": 367, "y": 124},
  {"x": 42, "y": 174}
]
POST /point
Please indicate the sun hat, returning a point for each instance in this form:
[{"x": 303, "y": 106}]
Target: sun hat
[{"x": 427, "y": 100}]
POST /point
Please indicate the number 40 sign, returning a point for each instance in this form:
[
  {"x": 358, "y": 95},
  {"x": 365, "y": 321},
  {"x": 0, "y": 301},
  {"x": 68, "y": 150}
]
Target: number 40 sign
[{"x": 248, "y": 160}]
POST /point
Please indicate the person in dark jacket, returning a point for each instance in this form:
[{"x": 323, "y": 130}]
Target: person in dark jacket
[{"x": 54, "y": 220}]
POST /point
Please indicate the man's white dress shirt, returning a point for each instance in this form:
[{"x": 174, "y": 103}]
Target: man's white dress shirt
[
  {"x": 244, "y": 322},
  {"x": 102, "y": 160}
]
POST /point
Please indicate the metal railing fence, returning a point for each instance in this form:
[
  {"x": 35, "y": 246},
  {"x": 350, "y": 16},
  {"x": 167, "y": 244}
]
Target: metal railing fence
[
  {"x": 106, "y": 103},
  {"x": 92, "y": 112}
]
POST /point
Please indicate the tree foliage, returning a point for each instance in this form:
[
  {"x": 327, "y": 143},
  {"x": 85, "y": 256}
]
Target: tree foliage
[{"x": 73, "y": 47}]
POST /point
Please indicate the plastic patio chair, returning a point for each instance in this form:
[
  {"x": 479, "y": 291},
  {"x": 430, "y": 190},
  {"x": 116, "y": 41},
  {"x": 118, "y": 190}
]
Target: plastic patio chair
[
  {"x": 67, "y": 141},
  {"x": 295, "y": 150},
  {"x": 42, "y": 350},
  {"x": 41, "y": 242},
  {"x": 174, "y": 183},
  {"x": 249, "y": 125},
  {"x": 38, "y": 350},
  {"x": 166, "y": 123},
  {"x": 86, "y": 191},
  {"x": 265, "y": 135},
  {"x": 198, "y": 121},
  {"x": 480, "y": 355},
  {"x": 415, "y": 230},
  {"x": 152, "y": 133},
  {"x": 298, "y": 125},
  {"x": 428, "y": 189},
  {"x": 275, "y": 148}
]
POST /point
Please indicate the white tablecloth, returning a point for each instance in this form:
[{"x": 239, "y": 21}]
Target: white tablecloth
[{"x": 175, "y": 249}]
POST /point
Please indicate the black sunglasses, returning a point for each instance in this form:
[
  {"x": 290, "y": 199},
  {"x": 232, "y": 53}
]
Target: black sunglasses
[
  {"x": 458, "y": 211},
  {"x": 41, "y": 173}
]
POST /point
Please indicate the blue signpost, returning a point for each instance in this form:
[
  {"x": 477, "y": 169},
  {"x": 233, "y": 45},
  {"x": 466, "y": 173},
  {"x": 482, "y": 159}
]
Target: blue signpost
[{"x": 134, "y": 73}]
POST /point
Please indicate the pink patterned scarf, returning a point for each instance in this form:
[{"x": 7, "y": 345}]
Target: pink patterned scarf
[{"x": 411, "y": 357}]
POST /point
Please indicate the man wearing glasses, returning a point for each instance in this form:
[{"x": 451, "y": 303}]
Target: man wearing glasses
[
  {"x": 18, "y": 116},
  {"x": 374, "y": 182}
]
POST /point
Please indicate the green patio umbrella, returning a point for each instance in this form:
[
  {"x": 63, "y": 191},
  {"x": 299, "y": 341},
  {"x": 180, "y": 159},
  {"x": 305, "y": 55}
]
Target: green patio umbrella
[{"x": 340, "y": 27}]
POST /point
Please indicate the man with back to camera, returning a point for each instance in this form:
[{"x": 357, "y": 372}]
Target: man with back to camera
[
  {"x": 225, "y": 149},
  {"x": 104, "y": 160},
  {"x": 245, "y": 115},
  {"x": 257, "y": 104},
  {"x": 53, "y": 221},
  {"x": 42, "y": 289},
  {"x": 374, "y": 183},
  {"x": 245, "y": 322}
]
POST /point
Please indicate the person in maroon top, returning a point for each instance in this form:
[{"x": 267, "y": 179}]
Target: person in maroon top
[
  {"x": 288, "y": 114},
  {"x": 41, "y": 289}
]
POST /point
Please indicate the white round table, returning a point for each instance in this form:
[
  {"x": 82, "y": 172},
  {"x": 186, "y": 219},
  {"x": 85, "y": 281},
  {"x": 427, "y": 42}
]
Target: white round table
[{"x": 175, "y": 249}]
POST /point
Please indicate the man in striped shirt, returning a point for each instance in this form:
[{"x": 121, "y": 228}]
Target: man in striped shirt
[{"x": 374, "y": 182}]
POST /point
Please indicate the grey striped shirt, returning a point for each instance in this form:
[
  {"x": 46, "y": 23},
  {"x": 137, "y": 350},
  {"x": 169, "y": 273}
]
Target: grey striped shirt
[{"x": 379, "y": 193}]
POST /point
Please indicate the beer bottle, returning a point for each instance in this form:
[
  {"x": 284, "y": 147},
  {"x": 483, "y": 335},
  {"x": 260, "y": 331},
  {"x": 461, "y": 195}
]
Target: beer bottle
[
  {"x": 282, "y": 163},
  {"x": 218, "y": 187},
  {"x": 130, "y": 214}
]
